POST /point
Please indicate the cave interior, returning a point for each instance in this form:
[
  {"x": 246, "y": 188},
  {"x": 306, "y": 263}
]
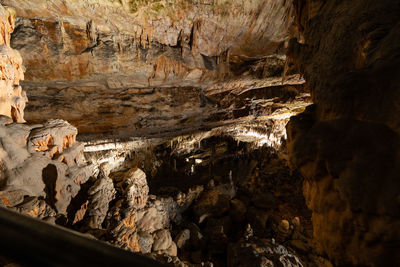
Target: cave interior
[{"x": 219, "y": 133}]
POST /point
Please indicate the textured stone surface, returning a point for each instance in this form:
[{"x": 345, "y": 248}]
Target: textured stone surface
[
  {"x": 137, "y": 222},
  {"x": 123, "y": 68},
  {"x": 42, "y": 166},
  {"x": 133, "y": 185},
  {"x": 261, "y": 253},
  {"x": 34, "y": 165},
  {"x": 347, "y": 144},
  {"x": 182, "y": 238},
  {"x": 145, "y": 242},
  {"x": 162, "y": 240},
  {"x": 69, "y": 40},
  {"x": 215, "y": 201},
  {"x": 12, "y": 97},
  {"x": 100, "y": 195}
]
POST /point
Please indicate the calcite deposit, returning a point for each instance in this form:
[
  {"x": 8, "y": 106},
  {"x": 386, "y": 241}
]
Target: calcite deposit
[
  {"x": 35, "y": 166},
  {"x": 12, "y": 97}
]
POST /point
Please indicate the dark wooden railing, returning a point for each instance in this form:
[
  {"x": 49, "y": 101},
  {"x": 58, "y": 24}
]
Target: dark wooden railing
[{"x": 31, "y": 242}]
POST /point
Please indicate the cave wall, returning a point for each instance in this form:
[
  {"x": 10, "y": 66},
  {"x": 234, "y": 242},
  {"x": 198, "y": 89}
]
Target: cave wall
[
  {"x": 347, "y": 145},
  {"x": 83, "y": 57}
]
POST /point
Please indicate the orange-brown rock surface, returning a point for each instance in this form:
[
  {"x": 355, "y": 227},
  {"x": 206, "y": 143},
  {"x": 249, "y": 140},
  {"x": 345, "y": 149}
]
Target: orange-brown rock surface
[
  {"x": 42, "y": 165},
  {"x": 71, "y": 40},
  {"x": 124, "y": 67},
  {"x": 12, "y": 97},
  {"x": 347, "y": 145}
]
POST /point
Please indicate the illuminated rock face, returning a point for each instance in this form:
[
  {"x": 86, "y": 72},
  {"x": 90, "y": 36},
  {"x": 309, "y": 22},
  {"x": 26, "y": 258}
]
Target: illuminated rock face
[
  {"x": 72, "y": 40},
  {"x": 347, "y": 145},
  {"x": 121, "y": 67},
  {"x": 41, "y": 161},
  {"x": 12, "y": 97}
]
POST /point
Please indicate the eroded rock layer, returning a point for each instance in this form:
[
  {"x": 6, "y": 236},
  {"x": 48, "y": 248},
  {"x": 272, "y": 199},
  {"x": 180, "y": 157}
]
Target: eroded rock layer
[
  {"x": 346, "y": 145},
  {"x": 72, "y": 40},
  {"x": 123, "y": 67}
]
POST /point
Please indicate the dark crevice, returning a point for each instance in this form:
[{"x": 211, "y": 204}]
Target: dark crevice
[{"x": 49, "y": 176}]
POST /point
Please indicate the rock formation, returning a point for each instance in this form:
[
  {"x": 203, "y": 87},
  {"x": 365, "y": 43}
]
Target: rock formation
[
  {"x": 42, "y": 166},
  {"x": 41, "y": 161},
  {"x": 129, "y": 68},
  {"x": 346, "y": 145},
  {"x": 184, "y": 108},
  {"x": 12, "y": 97}
]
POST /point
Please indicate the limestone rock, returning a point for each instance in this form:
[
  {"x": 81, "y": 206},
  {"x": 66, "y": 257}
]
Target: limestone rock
[
  {"x": 148, "y": 220},
  {"x": 101, "y": 194},
  {"x": 158, "y": 214},
  {"x": 162, "y": 240},
  {"x": 283, "y": 231},
  {"x": 11, "y": 198},
  {"x": 125, "y": 234},
  {"x": 264, "y": 200},
  {"x": 197, "y": 239},
  {"x": 238, "y": 210},
  {"x": 258, "y": 219},
  {"x": 108, "y": 63},
  {"x": 30, "y": 172},
  {"x": 172, "y": 250},
  {"x": 4, "y": 120},
  {"x": 215, "y": 201},
  {"x": 261, "y": 253},
  {"x": 12, "y": 97},
  {"x": 36, "y": 208},
  {"x": 217, "y": 233},
  {"x": 133, "y": 184},
  {"x": 194, "y": 29},
  {"x": 185, "y": 200},
  {"x": 54, "y": 137},
  {"x": 122, "y": 224},
  {"x": 182, "y": 238},
  {"x": 146, "y": 241}
]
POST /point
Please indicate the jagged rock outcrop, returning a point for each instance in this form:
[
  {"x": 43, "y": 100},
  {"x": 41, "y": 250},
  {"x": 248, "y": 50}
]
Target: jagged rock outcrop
[
  {"x": 347, "y": 145},
  {"x": 139, "y": 222},
  {"x": 100, "y": 196},
  {"x": 42, "y": 166},
  {"x": 12, "y": 97},
  {"x": 41, "y": 161}
]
